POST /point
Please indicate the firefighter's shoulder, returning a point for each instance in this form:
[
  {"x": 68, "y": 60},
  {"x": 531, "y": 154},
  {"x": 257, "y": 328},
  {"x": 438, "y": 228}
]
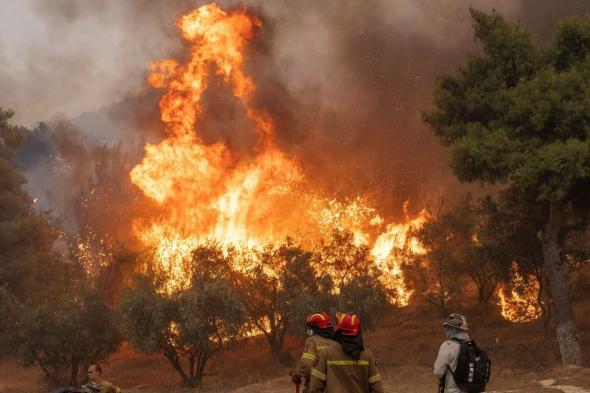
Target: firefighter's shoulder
[{"x": 321, "y": 343}]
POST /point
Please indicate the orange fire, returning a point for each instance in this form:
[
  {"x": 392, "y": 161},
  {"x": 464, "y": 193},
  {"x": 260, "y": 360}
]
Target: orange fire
[
  {"x": 386, "y": 251},
  {"x": 518, "y": 300},
  {"x": 207, "y": 192}
]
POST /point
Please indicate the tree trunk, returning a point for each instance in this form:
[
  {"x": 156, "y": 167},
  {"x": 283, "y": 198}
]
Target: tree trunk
[{"x": 557, "y": 272}]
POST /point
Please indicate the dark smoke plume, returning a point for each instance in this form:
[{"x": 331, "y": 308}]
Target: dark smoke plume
[{"x": 344, "y": 81}]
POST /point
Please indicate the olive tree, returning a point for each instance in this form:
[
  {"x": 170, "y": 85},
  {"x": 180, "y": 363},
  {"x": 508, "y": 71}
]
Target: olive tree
[
  {"x": 65, "y": 334},
  {"x": 188, "y": 326},
  {"x": 357, "y": 285},
  {"x": 280, "y": 288}
]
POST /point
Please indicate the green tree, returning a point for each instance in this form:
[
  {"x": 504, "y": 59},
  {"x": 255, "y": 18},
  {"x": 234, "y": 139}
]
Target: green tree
[
  {"x": 479, "y": 249},
  {"x": 280, "y": 288},
  {"x": 509, "y": 227},
  {"x": 188, "y": 326},
  {"x": 520, "y": 114},
  {"x": 356, "y": 278},
  {"x": 28, "y": 267},
  {"x": 65, "y": 334},
  {"x": 437, "y": 268}
]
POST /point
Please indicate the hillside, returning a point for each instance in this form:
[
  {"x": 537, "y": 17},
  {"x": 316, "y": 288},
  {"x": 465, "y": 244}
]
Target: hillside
[{"x": 523, "y": 355}]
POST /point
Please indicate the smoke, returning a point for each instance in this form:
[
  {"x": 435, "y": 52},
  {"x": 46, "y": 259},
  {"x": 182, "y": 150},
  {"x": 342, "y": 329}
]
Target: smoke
[{"x": 344, "y": 81}]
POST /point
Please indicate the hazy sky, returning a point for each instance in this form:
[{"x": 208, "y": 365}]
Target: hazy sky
[
  {"x": 64, "y": 57},
  {"x": 344, "y": 80},
  {"x": 55, "y": 63}
]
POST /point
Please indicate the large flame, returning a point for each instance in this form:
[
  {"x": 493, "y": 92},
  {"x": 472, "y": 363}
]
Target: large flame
[
  {"x": 519, "y": 299},
  {"x": 207, "y": 192}
]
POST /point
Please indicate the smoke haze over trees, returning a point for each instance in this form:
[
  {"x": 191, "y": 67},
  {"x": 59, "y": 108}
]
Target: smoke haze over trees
[{"x": 345, "y": 84}]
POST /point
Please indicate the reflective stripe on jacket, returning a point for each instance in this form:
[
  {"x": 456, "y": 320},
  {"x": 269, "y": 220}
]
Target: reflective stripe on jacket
[
  {"x": 336, "y": 372},
  {"x": 313, "y": 345}
]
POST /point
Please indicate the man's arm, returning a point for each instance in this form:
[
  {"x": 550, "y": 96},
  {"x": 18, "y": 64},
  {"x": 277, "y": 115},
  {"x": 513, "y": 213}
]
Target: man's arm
[
  {"x": 307, "y": 359},
  {"x": 318, "y": 375},
  {"x": 375, "y": 384},
  {"x": 442, "y": 360}
]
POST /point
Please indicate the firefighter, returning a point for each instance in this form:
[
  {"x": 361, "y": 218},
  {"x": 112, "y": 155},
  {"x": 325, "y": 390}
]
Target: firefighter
[
  {"x": 320, "y": 336},
  {"x": 96, "y": 384},
  {"x": 347, "y": 366}
]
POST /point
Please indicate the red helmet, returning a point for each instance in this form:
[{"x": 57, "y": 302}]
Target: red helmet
[
  {"x": 348, "y": 325},
  {"x": 319, "y": 320}
]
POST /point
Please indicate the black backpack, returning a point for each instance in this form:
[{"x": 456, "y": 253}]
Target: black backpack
[{"x": 473, "y": 368}]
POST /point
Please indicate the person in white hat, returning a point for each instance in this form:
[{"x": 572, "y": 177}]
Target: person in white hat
[{"x": 456, "y": 330}]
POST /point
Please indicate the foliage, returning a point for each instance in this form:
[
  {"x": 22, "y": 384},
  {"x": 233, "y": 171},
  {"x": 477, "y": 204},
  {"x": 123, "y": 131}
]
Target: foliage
[
  {"x": 357, "y": 280},
  {"x": 65, "y": 334},
  {"x": 26, "y": 238},
  {"x": 188, "y": 326},
  {"x": 280, "y": 288},
  {"x": 437, "y": 270},
  {"x": 9, "y": 308},
  {"x": 520, "y": 114}
]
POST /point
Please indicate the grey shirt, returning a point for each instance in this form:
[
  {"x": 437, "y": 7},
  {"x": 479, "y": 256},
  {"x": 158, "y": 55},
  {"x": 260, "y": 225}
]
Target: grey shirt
[{"x": 447, "y": 358}]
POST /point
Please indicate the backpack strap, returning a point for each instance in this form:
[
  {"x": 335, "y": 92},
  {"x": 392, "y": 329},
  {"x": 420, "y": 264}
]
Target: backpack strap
[{"x": 460, "y": 342}]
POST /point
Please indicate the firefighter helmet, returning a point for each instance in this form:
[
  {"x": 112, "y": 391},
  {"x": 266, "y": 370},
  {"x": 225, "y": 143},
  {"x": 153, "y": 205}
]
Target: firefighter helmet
[
  {"x": 348, "y": 325},
  {"x": 319, "y": 320}
]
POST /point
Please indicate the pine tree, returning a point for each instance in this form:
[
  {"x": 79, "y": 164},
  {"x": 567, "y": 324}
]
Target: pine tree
[{"x": 27, "y": 262}]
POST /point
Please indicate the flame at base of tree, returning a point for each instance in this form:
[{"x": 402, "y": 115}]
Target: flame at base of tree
[{"x": 519, "y": 298}]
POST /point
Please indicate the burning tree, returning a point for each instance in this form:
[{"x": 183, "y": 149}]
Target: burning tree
[
  {"x": 208, "y": 191},
  {"x": 510, "y": 225},
  {"x": 357, "y": 279},
  {"x": 519, "y": 114},
  {"x": 436, "y": 270},
  {"x": 280, "y": 288},
  {"x": 519, "y": 300}
]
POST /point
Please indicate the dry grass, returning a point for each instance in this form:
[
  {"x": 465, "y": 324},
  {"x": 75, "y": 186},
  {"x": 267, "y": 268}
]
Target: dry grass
[
  {"x": 14, "y": 379},
  {"x": 405, "y": 344}
]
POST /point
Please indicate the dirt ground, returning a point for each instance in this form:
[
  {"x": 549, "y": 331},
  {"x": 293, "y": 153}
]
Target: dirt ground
[
  {"x": 525, "y": 359},
  {"x": 419, "y": 380}
]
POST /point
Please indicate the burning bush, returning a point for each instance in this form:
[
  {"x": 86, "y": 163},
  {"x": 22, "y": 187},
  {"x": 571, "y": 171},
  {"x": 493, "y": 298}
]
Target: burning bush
[
  {"x": 280, "y": 287},
  {"x": 358, "y": 286}
]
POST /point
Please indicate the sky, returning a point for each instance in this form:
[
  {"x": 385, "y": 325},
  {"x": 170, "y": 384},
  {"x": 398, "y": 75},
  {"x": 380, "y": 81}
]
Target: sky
[
  {"x": 65, "y": 57},
  {"x": 345, "y": 80}
]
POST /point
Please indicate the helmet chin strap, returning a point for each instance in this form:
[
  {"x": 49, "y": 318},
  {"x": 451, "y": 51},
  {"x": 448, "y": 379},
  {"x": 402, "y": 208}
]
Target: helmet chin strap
[{"x": 309, "y": 332}]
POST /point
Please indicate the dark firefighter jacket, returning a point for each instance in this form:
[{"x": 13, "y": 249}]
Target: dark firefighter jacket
[
  {"x": 336, "y": 372},
  {"x": 313, "y": 346}
]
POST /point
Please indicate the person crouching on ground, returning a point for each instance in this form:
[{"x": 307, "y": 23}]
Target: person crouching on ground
[
  {"x": 96, "y": 384},
  {"x": 456, "y": 331},
  {"x": 347, "y": 366}
]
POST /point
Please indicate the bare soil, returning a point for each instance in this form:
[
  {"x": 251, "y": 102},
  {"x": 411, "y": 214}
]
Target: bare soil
[{"x": 525, "y": 359}]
